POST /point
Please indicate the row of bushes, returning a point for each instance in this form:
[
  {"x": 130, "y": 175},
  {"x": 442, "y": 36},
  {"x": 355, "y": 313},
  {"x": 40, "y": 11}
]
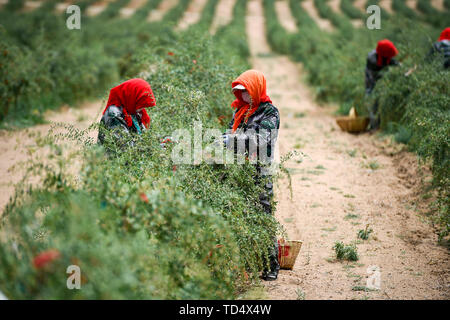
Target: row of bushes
[
  {"x": 45, "y": 65},
  {"x": 432, "y": 15},
  {"x": 352, "y": 12},
  {"x": 327, "y": 13},
  {"x": 415, "y": 108},
  {"x": 138, "y": 226}
]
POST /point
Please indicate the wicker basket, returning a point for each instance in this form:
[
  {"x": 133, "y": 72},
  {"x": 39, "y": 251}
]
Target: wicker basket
[
  {"x": 352, "y": 122},
  {"x": 287, "y": 252}
]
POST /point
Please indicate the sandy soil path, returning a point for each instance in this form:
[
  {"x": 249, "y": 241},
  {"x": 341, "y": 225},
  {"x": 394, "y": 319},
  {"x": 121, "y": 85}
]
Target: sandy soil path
[
  {"x": 97, "y": 7},
  {"x": 386, "y": 5},
  {"x": 285, "y": 16},
  {"x": 360, "y": 4},
  {"x": 192, "y": 14},
  {"x": 131, "y": 8},
  {"x": 15, "y": 145},
  {"x": 31, "y": 5},
  {"x": 222, "y": 15},
  {"x": 336, "y": 7},
  {"x": 163, "y": 7},
  {"x": 438, "y": 4},
  {"x": 62, "y": 6},
  {"x": 345, "y": 182},
  {"x": 310, "y": 8},
  {"x": 412, "y": 4}
]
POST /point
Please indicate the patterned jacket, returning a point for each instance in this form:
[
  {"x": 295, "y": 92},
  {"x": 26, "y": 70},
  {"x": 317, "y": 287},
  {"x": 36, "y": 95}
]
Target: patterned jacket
[
  {"x": 113, "y": 121},
  {"x": 373, "y": 71},
  {"x": 442, "y": 47},
  {"x": 260, "y": 131}
]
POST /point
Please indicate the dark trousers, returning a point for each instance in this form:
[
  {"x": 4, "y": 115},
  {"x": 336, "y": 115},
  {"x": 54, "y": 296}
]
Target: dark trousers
[{"x": 374, "y": 117}]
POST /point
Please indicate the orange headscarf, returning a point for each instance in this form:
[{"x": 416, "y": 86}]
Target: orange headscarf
[
  {"x": 255, "y": 84},
  {"x": 132, "y": 95},
  {"x": 445, "y": 34}
]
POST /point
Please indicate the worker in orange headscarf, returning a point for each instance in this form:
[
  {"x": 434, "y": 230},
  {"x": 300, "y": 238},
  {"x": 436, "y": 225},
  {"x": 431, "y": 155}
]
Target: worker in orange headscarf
[
  {"x": 256, "y": 121},
  {"x": 125, "y": 110},
  {"x": 442, "y": 46},
  {"x": 378, "y": 60}
]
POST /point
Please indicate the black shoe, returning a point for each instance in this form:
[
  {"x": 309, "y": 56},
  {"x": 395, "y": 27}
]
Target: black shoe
[{"x": 270, "y": 276}]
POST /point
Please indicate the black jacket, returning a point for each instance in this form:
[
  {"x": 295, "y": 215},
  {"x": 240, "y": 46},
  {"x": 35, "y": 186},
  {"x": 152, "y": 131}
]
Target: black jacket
[
  {"x": 260, "y": 131},
  {"x": 373, "y": 71},
  {"x": 441, "y": 47}
]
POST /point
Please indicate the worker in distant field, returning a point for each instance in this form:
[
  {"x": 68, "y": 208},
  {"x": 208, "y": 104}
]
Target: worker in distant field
[
  {"x": 256, "y": 121},
  {"x": 378, "y": 60},
  {"x": 442, "y": 46},
  {"x": 125, "y": 111}
]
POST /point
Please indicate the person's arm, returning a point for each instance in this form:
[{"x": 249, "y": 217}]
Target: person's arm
[
  {"x": 230, "y": 125},
  {"x": 228, "y": 135},
  {"x": 394, "y": 62},
  {"x": 371, "y": 71},
  {"x": 113, "y": 124},
  {"x": 369, "y": 80},
  {"x": 429, "y": 57}
]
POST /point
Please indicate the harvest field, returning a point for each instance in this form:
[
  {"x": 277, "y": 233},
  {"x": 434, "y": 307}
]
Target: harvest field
[{"x": 140, "y": 226}]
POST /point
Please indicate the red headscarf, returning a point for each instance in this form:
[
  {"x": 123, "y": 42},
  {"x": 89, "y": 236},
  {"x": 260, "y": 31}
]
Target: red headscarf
[
  {"x": 445, "y": 35},
  {"x": 385, "y": 49},
  {"x": 255, "y": 84},
  {"x": 132, "y": 95}
]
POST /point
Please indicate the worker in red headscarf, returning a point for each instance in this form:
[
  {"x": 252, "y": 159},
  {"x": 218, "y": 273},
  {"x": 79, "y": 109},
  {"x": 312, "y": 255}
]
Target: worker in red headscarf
[
  {"x": 442, "y": 46},
  {"x": 378, "y": 60},
  {"x": 125, "y": 110},
  {"x": 255, "y": 123}
]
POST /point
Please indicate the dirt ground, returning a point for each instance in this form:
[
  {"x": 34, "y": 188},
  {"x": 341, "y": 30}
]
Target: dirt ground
[
  {"x": 438, "y": 4},
  {"x": 192, "y": 14},
  {"x": 344, "y": 183},
  {"x": 335, "y": 5},
  {"x": 97, "y": 7},
  {"x": 360, "y": 4},
  {"x": 163, "y": 7},
  {"x": 16, "y": 145},
  {"x": 310, "y": 8},
  {"x": 222, "y": 15},
  {"x": 62, "y": 6},
  {"x": 386, "y": 5},
  {"x": 131, "y": 8},
  {"x": 285, "y": 16}
]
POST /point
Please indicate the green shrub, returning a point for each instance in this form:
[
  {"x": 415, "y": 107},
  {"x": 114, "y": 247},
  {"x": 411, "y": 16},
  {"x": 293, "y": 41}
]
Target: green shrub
[
  {"x": 352, "y": 12},
  {"x": 338, "y": 21},
  {"x": 365, "y": 233},
  {"x": 417, "y": 104},
  {"x": 345, "y": 252},
  {"x": 447, "y": 4},
  {"x": 432, "y": 15},
  {"x": 60, "y": 66},
  {"x": 138, "y": 226},
  {"x": 15, "y": 5},
  {"x": 113, "y": 8},
  {"x": 400, "y": 7}
]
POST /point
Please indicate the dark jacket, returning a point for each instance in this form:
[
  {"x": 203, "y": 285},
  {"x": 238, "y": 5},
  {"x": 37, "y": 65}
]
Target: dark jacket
[
  {"x": 443, "y": 48},
  {"x": 113, "y": 120},
  {"x": 373, "y": 71},
  {"x": 260, "y": 131}
]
